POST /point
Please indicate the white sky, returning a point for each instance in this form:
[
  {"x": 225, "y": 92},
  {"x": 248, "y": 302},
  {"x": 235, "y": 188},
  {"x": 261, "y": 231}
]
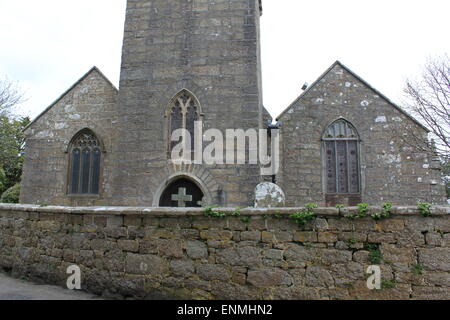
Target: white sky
[{"x": 47, "y": 45}]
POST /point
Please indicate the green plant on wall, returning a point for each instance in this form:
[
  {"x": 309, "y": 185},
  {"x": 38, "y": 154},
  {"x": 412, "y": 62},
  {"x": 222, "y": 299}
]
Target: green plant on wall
[
  {"x": 375, "y": 255},
  {"x": 42, "y": 204},
  {"x": 417, "y": 269},
  {"x": 210, "y": 212},
  {"x": 362, "y": 212},
  {"x": 305, "y": 215},
  {"x": 424, "y": 208},
  {"x": 388, "y": 284},
  {"x": 246, "y": 219},
  {"x": 237, "y": 211},
  {"x": 385, "y": 212}
]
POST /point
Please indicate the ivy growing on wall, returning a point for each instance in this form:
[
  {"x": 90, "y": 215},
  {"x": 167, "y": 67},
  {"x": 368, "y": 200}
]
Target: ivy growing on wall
[{"x": 306, "y": 215}]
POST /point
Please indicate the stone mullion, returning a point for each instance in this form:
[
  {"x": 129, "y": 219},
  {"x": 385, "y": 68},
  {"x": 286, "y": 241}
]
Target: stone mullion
[{"x": 184, "y": 111}]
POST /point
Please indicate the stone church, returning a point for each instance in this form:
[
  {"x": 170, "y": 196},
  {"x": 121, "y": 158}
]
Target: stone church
[{"x": 190, "y": 60}]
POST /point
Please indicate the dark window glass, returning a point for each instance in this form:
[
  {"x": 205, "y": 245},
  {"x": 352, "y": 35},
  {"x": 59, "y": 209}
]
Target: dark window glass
[
  {"x": 85, "y": 161},
  {"x": 353, "y": 166},
  {"x": 85, "y": 177},
  {"x": 96, "y": 171},
  {"x": 342, "y": 166},
  {"x": 192, "y": 117},
  {"x": 183, "y": 114},
  {"x": 75, "y": 174},
  {"x": 341, "y": 159},
  {"x": 176, "y": 122},
  {"x": 331, "y": 167}
]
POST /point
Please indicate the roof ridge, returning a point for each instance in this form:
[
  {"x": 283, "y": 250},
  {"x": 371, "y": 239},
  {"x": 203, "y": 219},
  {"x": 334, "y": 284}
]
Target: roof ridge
[
  {"x": 367, "y": 84},
  {"x": 94, "y": 68}
]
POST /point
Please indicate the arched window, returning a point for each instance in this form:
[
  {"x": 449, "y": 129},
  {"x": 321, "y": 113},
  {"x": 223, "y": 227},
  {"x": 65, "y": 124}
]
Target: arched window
[
  {"x": 84, "y": 159},
  {"x": 341, "y": 145},
  {"x": 184, "y": 112}
]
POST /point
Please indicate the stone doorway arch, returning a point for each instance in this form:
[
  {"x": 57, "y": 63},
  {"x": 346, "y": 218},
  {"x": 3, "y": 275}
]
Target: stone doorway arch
[
  {"x": 182, "y": 193},
  {"x": 177, "y": 191}
]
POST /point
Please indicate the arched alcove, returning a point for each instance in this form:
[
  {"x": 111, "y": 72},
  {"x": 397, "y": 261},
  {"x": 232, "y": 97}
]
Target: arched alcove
[{"x": 182, "y": 192}]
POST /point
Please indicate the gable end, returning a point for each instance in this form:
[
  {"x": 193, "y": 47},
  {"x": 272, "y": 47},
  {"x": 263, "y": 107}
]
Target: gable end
[
  {"x": 92, "y": 70},
  {"x": 338, "y": 63}
]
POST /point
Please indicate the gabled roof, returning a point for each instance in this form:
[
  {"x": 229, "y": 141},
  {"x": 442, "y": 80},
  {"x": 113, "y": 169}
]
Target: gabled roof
[
  {"x": 70, "y": 89},
  {"x": 359, "y": 79}
]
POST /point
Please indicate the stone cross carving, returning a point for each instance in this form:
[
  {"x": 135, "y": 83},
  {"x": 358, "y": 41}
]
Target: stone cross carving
[{"x": 181, "y": 197}]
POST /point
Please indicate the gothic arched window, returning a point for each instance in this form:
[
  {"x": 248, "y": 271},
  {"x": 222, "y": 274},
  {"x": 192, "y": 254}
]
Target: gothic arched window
[
  {"x": 341, "y": 146},
  {"x": 184, "y": 112},
  {"x": 84, "y": 159}
]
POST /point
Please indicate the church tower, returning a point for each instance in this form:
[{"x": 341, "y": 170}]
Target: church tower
[{"x": 185, "y": 60}]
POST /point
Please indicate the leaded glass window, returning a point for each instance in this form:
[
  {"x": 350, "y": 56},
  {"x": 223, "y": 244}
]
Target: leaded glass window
[
  {"x": 85, "y": 159},
  {"x": 341, "y": 146},
  {"x": 184, "y": 112}
]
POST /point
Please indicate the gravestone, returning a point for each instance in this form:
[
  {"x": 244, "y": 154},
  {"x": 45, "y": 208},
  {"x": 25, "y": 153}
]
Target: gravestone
[{"x": 269, "y": 195}]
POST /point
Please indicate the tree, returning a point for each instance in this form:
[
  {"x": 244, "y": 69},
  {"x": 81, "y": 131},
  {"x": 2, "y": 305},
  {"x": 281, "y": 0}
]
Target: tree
[
  {"x": 12, "y": 140},
  {"x": 428, "y": 99},
  {"x": 2, "y": 180},
  {"x": 12, "y": 195},
  {"x": 12, "y": 145},
  {"x": 10, "y": 96}
]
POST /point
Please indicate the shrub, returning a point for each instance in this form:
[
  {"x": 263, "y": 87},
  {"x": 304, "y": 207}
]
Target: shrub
[{"x": 11, "y": 195}]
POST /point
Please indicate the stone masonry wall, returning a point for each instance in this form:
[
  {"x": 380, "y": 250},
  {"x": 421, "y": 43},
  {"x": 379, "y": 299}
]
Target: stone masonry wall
[
  {"x": 90, "y": 103},
  {"x": 210, "y": 48},
  {"x": 261, "y": 254},
  {"x": 391, "y": 170}
]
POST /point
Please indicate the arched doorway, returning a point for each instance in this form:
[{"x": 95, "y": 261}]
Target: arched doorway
[{"x": 182, "y": 193}]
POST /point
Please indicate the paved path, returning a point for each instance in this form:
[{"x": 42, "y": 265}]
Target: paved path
[{"x": 13, "y": 289}]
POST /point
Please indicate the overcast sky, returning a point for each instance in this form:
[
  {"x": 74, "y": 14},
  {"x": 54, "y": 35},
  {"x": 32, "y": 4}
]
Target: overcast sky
[{"x": 47, "y": 45}]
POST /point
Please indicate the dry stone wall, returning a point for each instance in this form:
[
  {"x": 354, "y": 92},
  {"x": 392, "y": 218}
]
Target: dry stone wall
[{"x": 247, "y": 254}]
